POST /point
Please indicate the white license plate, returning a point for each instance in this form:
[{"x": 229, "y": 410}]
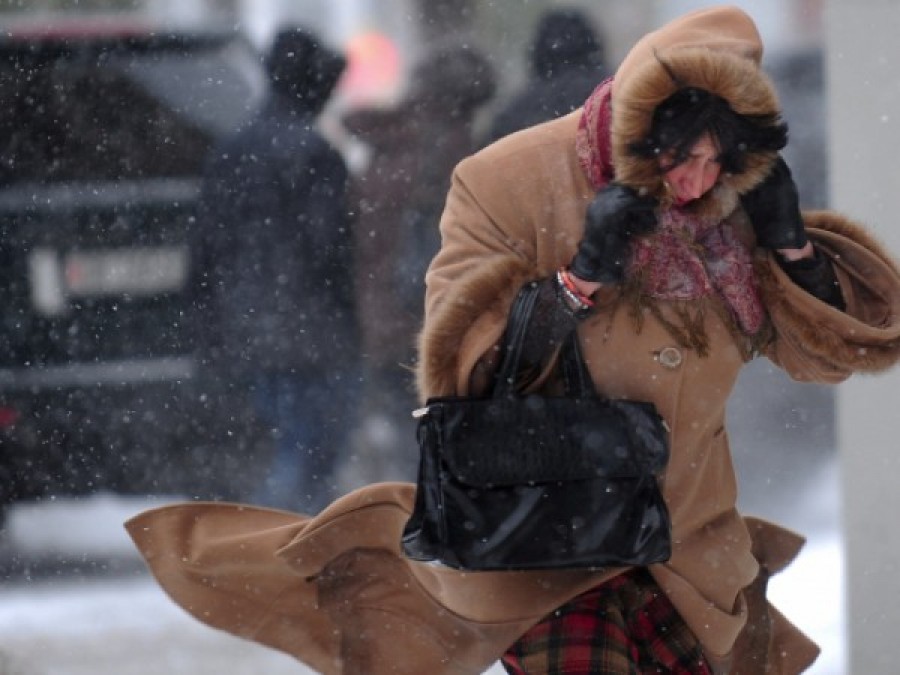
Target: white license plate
[
  {"x": 139, "y": 271},
  {"x": 128, "y": 271}
]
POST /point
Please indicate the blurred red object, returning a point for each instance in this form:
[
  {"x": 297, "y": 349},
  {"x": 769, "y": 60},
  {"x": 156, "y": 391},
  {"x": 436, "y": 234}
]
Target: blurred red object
[{"x": 373, "y": 73}]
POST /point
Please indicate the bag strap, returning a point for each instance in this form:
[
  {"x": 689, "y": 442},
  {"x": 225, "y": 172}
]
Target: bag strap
[
  {"x": 578, "y": 382},
  {"x": 577, "y": 378},
  {"x": 514, "y": 340}
]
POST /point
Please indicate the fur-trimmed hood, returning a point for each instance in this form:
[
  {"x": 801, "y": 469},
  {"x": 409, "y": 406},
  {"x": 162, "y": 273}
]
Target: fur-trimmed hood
[{"x": 716, "y": 49}]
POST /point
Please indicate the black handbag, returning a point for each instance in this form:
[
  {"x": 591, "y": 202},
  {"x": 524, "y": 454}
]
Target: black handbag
[{"x": 520, "y": 482}]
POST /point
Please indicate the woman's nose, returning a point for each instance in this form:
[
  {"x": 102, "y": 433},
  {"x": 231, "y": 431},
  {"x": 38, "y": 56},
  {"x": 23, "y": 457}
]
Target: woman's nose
[{"x": 694, "y": 183}]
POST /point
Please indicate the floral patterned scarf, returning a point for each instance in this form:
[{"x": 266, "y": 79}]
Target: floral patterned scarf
[{"x": 688, "y": 257}]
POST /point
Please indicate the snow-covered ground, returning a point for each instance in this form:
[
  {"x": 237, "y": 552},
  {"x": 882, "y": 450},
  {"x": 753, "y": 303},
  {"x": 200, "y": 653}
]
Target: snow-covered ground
[{"x": 122, "y": 624}]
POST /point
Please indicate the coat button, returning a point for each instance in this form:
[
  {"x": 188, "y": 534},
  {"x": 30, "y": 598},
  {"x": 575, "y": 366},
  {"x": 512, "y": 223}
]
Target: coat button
[{"x": 669, "y": 357}]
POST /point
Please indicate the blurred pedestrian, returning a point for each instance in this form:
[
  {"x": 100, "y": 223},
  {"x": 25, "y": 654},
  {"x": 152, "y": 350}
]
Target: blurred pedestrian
[
  {"x": 567, "y": 59},
  {"x": 398, "y": 197},
  {"x": 275, "y": 270}
]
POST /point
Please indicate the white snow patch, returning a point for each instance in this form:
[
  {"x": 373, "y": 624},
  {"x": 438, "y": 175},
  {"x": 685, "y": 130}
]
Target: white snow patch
[{"x": 87, "y": 526}]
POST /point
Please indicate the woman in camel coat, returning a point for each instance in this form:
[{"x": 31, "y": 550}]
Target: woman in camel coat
[{"x": 334, "y": 590}]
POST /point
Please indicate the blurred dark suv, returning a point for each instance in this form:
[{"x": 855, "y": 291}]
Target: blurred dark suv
[{"x": 103, "y": 132}]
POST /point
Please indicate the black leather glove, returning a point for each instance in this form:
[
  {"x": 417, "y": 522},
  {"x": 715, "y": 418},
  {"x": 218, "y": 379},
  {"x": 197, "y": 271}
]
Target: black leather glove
[
  {"x": 614, "y": 217},
  {"x": 774, "y": 210},
  {"x": 816, "y": 276}
]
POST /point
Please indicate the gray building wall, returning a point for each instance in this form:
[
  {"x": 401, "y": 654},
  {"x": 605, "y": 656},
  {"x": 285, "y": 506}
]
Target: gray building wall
[{"x": 864, "y": 111}]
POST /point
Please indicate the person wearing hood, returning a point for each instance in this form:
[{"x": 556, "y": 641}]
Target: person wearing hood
[
  {"x": 567, "y": 59},
  {"x": 273, "y": 250},
  {"x": 660, "y": 223}
]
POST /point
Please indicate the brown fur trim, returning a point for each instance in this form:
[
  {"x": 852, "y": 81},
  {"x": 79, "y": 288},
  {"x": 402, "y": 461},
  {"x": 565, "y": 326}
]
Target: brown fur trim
[
  {"x": 831, "y": 221},
  {"x": 488, "y": 288},
  {"x": 802, "y": 321},
  {"x": 735, "y": 78}
]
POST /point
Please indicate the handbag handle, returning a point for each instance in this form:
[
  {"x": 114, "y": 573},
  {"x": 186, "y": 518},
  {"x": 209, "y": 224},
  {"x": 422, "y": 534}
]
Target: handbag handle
[{"x": 577, "y": 379}]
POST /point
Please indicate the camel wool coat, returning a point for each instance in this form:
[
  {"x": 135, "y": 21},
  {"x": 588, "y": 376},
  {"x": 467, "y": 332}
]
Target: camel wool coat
[{"x": 335, "y": 591}]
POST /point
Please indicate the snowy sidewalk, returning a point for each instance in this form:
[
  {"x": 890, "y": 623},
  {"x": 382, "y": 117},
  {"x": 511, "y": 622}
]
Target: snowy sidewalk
[{"x": 120, "y": 627}]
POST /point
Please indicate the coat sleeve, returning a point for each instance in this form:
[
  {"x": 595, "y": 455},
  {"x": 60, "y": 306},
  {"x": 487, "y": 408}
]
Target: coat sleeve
[
  {"x": 486, "y": 256},
  {"x": 815, "y": 342}
]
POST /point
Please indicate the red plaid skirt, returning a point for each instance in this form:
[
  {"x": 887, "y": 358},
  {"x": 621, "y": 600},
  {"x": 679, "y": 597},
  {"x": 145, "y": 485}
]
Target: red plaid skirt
[{"x": 626, "y": 626}]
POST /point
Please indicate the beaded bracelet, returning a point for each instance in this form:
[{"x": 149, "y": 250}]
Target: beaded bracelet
[
  {"x": 570, "y": 285},
  {"x": 572, "y": 300}
]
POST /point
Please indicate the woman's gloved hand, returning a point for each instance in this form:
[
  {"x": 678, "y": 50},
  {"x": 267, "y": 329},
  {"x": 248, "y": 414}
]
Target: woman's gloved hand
[
  {"x": 614, "y": 217},
  {"x": 774, "y": 211},
  {"x": 773, "y": 207}
]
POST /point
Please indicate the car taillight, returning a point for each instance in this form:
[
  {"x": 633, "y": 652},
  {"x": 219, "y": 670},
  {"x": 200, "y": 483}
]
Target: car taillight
[{"x": 8, "y": 416}]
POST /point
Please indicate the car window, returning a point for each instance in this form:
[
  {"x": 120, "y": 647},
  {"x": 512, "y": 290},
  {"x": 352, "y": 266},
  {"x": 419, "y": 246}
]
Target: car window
[{"x": 94, "y": 112}]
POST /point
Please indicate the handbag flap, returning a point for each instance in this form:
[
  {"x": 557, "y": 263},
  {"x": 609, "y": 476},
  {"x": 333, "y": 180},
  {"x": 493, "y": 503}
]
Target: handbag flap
[{"x": 536, "y": 439}]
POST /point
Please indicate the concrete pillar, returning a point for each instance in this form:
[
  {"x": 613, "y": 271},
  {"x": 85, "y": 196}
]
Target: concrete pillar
[{"x": 863, "y": 53}]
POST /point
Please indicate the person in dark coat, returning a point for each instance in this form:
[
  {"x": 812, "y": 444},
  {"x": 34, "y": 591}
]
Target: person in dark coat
[
  {"x": 567, "y": 59},
  {"x": 274, "y": 269},
  {"x": 398, "y": 198}
]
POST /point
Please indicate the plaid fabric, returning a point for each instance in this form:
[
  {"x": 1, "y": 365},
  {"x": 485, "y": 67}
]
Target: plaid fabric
[{"x": 625, "y": 626}]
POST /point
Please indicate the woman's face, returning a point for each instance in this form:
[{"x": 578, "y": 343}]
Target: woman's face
[{"x": 696, "y": 175}]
